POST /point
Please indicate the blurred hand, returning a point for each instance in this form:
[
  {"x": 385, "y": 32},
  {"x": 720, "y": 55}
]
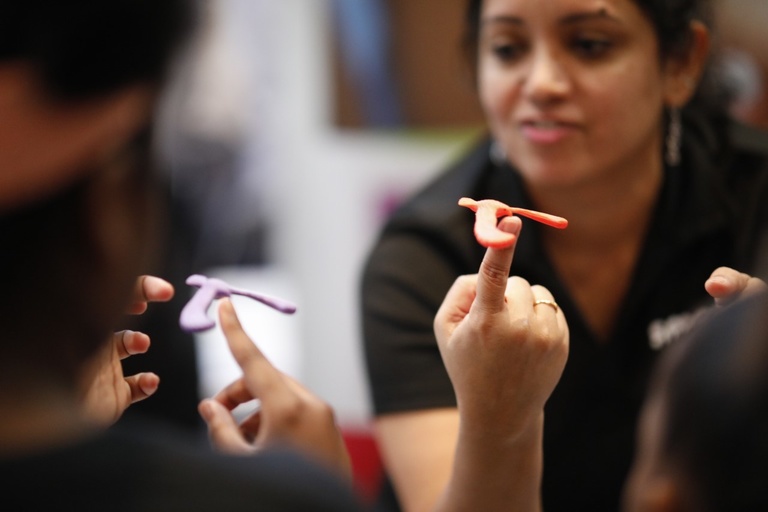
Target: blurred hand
[
  {"x": 503, "y": 353},
  {"x": 108, "y": 393},
  {"x": 289, "y": 414},
  {"x": 726, "y": 285}
]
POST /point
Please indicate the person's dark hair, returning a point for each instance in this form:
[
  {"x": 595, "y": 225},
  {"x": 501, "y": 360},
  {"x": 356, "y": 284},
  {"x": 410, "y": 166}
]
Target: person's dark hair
[
  {"x": 81, "y": 49},
  {"x": 84, "y": 48},
  {"x": 706, "y": 112},
  {"x": 714, "y": 395},
  {"x": 56, "y": 309}
]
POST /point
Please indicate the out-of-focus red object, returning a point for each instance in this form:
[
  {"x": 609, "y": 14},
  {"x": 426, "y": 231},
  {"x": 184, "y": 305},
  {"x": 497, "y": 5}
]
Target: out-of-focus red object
[{"x": 367, "y": 468}]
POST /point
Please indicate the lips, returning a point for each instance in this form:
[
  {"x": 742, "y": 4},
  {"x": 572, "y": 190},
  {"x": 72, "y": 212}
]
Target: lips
[
  {"x": 546, "y": 131},
  {"x": 544, "y": 124}
]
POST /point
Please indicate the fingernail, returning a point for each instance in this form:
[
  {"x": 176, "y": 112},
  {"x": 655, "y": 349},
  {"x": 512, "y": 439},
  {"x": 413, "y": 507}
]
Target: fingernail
[
  {"x": 227, "y": 307},
  {"x": 718, "y": 280},
  {"x": 206, "y": 409},
  {"x": 128, "y": 342},
  {"x": 151, "y": 386}
]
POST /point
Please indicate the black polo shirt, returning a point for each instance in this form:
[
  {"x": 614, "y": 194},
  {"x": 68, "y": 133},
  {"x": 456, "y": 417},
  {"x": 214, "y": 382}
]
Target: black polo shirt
[{"x": 709, "y": 213}]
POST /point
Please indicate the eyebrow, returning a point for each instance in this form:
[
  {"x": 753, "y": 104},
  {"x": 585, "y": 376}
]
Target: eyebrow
[
  {"x": 600, "y": 13},
  {"x": 507, "y": 20}
]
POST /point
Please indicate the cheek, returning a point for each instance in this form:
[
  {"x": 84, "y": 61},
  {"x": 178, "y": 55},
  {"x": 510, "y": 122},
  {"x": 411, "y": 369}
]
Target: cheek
[
  {"x": 625, "y": 105},
  {"x": 498, "y": 93},
  {"x": 124, "y": 207},
  {"x": 635, "y": 82}
]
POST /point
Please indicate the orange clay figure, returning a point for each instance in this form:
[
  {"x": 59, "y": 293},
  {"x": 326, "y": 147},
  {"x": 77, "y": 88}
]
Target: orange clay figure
[{"x": 487, "y": 211}]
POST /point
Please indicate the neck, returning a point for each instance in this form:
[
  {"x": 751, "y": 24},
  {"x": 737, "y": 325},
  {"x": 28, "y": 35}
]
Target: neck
[
  {"x": 601, "y": 213},
  {"x": 596, "y": 255}
]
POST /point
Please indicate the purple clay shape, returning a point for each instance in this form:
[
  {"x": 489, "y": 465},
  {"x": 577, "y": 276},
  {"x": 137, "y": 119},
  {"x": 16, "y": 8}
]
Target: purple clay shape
[{"x": 194, "y": 317}]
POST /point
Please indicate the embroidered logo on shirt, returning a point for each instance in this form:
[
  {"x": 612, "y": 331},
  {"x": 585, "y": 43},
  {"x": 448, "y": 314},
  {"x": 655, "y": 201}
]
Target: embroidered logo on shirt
[{"x": 664, "y": 331}]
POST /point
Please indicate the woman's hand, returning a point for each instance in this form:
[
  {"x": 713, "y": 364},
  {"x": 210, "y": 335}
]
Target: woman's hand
[
  {"x": 288, "y": 415},
  {"x": 726, "y": 285},
  {"x": 503, "y": 352},
  {"x": 107, "y": 392},
  {"x": 504, "y": 344}
]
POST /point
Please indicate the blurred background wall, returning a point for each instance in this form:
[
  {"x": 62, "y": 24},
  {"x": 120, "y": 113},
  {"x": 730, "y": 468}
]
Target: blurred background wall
[{"x": 282, "y": 175}]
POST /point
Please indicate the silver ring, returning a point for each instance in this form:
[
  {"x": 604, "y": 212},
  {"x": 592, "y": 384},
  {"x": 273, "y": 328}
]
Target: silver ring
[{"x": 551, "y": 303}]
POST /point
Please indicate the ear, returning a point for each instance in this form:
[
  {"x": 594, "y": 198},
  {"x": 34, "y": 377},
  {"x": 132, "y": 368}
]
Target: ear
[{"x": 683, "y": 73}]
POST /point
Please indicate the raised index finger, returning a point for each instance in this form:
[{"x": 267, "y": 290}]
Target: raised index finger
[
  {"x": 494, "y": 270},
  {"x": 262, "y": 379}
]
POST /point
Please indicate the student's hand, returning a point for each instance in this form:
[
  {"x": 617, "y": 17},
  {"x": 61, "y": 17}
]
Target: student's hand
[
  {"x": 108, "y": 393},
  {"x": 289, "y": 414},
  {"x": 726, "y": 285},
  {"x": 503, "y": 352}
]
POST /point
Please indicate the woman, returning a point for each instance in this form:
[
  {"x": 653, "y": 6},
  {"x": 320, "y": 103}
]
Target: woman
[
  {"x": 599, "y": 111},
  {"x": 702, "y": 430}
]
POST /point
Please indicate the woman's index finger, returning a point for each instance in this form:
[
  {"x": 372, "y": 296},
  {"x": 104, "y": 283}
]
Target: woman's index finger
[{"x": 494, "y": 269}]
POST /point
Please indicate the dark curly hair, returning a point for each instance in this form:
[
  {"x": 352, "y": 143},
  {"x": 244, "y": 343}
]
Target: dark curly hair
[{"x": 84, "y": 48}]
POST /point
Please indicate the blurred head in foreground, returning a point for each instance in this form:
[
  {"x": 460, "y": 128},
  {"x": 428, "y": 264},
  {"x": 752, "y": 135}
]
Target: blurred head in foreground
[
  {"x": 703, "y": 438},
  {"x": 78, "y": 83}
]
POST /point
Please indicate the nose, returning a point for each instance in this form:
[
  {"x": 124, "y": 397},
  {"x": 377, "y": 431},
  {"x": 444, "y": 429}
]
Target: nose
[{"x": 546, "y": 81}]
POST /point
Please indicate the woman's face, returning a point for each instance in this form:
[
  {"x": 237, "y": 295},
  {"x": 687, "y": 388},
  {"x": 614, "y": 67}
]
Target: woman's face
[{"x": 573, "y": 90}]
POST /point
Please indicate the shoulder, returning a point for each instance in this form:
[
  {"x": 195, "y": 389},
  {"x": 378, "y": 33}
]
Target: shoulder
[
  {"x": 151, "y": 470},
  {"x": 746, "y": 166},
  {"x": 749, "y": 141}
]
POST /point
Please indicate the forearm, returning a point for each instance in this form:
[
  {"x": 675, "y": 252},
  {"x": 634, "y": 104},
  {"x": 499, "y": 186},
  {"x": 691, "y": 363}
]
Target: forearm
[{"x": 494, "y": 473}]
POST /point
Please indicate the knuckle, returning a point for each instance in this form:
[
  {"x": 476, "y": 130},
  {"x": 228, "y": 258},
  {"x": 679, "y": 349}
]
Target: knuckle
[
  {"x": 298, "y": 411},
  {"x": 484, "y": 326},
  {"x": 520, "y": 328},
  {"x": 466, "y": 278},
  {"x": 291, "y": 411},
  {"x": 519, "y": 281},
  {"x": 495, "y": 273},
  {"x": 545, "y": 335},
  {"x": 323, "y": 410},
  {"x": 543, "y": 338}
]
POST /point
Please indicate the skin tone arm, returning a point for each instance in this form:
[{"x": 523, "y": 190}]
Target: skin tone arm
[
  {"x": 289, "y": 414},
  {"x": 107, "y": 393},
  {"x": 417, "y": 449},
  {"x": 504, "y": 356}
]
